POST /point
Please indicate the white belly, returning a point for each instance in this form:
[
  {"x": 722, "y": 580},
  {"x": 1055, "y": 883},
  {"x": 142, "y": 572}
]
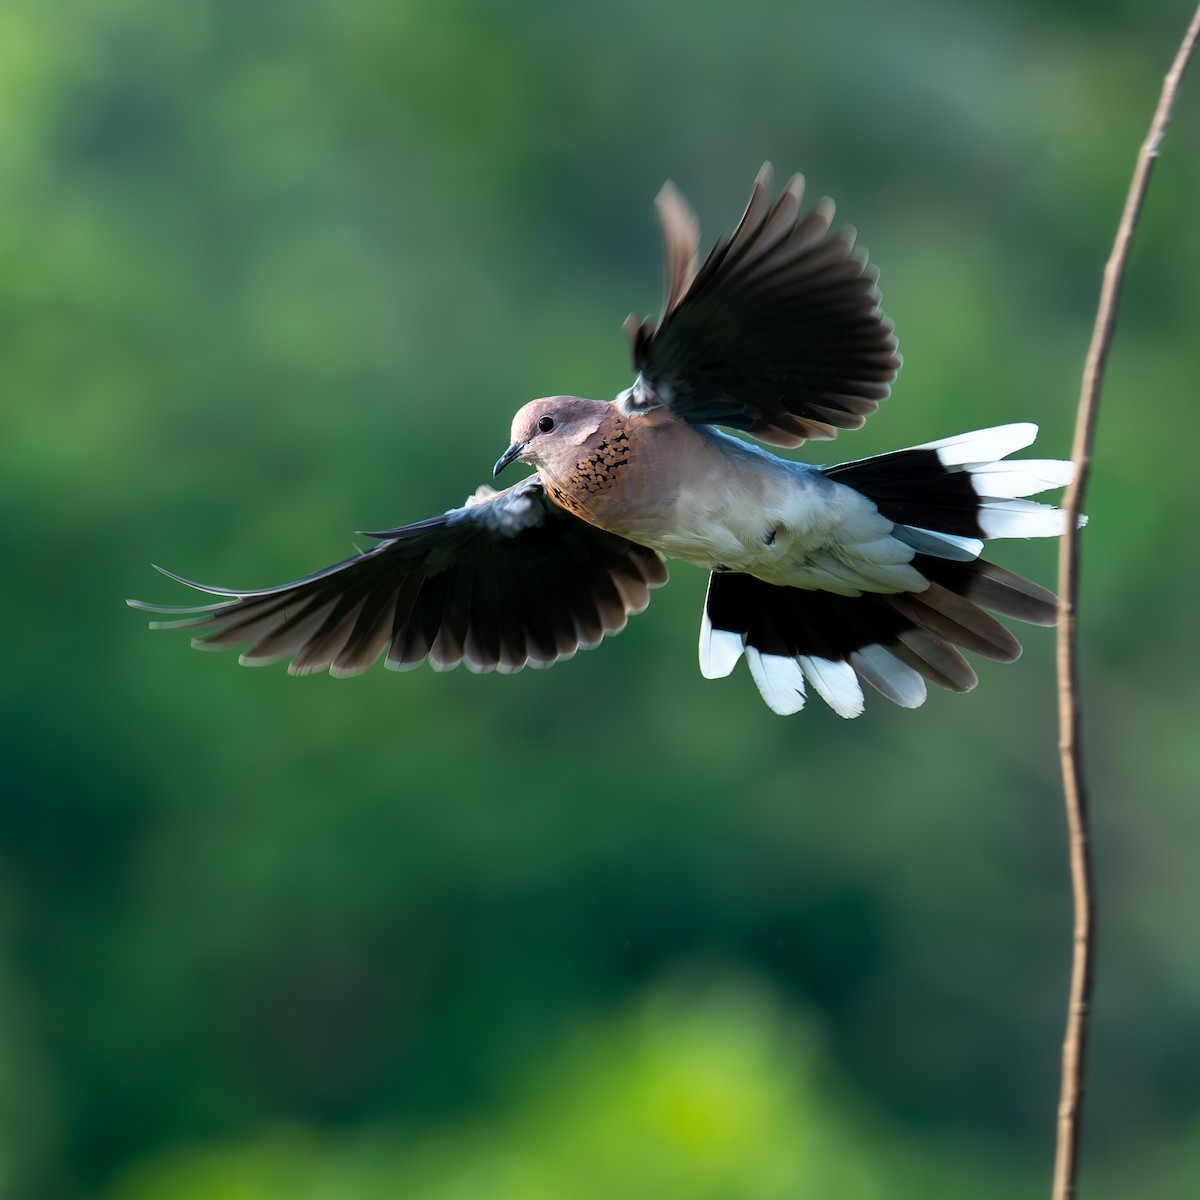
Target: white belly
[{"x": 787, "y": 524}]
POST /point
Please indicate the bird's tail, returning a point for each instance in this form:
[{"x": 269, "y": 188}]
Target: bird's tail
[{"x": 945, "y": 499}]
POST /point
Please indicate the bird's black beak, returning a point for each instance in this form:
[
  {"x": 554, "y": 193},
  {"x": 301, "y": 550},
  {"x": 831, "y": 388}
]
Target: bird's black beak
[{"x": 510, "y": 455}]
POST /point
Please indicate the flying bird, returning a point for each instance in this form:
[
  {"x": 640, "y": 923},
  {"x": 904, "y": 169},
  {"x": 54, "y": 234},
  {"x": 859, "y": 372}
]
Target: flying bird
[{"x": 820, "y": 576}]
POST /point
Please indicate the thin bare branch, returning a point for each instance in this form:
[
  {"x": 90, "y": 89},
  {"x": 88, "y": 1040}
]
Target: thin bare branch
[{"x": 1069, "y": 716}]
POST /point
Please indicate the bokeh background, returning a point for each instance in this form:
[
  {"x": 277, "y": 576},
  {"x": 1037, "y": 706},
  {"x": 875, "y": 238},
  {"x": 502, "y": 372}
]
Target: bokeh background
[{"x": 274, "y": 271}]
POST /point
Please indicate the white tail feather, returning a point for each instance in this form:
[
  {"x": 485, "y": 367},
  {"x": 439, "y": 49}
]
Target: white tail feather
[
  {"x": 982, "y": 445},
  {"x": 780, "y": 681},
  {"x": 898, "y": 681},
  {"x": 1020, "y": 519},
  {"x": 720, "y": 650},
  {"x": 836, "y": 683},
  {"x": 1024, "y": 477}
]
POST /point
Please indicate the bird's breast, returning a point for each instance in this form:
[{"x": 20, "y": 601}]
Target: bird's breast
[
  {"x": 604, "y": 467},
  {"x": 613, "y": 482},
  {"x": 693, "y": 494}
]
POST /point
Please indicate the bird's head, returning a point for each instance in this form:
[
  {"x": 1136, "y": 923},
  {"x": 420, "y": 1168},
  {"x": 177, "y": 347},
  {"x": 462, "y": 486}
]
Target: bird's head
[{"x": 552, "y": 432}]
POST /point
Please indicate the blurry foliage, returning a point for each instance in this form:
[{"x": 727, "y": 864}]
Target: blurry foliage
[
  {"x": 675, "y": 1099},
  {"x": 276, "y": 271}
]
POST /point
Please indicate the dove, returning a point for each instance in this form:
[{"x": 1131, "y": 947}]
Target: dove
[{"x": 820, "y": 577}]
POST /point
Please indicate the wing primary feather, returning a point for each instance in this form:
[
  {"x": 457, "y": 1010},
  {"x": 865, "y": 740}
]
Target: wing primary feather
[
  {"x": 372, "y": 632},
  {"x": 288, "y": 636}
]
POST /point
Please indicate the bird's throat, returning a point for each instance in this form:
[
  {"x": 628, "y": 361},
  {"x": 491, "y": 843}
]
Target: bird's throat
[{"x": 585, "y": 487}]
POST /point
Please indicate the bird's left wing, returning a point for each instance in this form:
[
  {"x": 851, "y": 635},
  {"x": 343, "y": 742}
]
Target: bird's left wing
[
  {"x": 779, "y": 332},
  {"x": 507, "y": 580}
]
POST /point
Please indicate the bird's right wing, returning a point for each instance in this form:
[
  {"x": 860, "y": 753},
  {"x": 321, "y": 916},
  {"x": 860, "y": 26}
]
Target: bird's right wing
[
  {"x": 507, "y": 580},
  {"x": 778, "y": 333}
]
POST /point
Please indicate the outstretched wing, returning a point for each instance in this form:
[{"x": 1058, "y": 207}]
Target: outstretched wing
[
  {"x": 507, "y": 580},
  {"x": 779, "y": 333}
]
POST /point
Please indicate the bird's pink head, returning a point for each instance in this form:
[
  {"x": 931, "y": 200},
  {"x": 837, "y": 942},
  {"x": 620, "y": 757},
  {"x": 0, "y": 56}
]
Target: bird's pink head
[{"x": 551, "y": 432}]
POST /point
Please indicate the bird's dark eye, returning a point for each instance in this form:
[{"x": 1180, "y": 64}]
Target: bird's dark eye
[{"x": 545, "y": 424}]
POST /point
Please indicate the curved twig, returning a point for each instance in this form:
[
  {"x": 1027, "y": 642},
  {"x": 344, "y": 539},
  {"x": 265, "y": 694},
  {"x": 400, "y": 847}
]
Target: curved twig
[{"x": 1069, "y": 717}]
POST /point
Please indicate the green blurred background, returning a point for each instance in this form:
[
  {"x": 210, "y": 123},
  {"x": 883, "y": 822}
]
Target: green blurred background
[{"x": 274, "y": 271}]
